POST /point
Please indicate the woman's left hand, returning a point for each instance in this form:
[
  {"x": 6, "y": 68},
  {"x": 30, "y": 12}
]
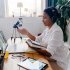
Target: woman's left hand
[{"x": 23, "y": 31}]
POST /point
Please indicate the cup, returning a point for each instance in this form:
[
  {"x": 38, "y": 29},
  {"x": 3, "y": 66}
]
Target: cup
[{"x": 6, "y": 55}]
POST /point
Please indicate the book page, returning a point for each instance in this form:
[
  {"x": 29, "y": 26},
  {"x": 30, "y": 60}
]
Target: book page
[{"x": 35, "y": 44}]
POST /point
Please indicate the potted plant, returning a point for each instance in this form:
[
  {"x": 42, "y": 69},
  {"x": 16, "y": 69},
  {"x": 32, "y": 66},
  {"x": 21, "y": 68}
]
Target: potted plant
[{"x": 63, "y": 7}]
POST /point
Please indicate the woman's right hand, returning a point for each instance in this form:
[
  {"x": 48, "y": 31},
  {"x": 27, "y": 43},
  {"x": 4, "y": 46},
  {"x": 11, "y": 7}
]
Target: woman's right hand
[{"x": 23, "y": 31}]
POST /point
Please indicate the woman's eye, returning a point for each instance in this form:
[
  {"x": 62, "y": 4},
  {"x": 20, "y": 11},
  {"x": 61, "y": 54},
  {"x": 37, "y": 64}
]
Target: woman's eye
[{"x": 44, "y": 17}]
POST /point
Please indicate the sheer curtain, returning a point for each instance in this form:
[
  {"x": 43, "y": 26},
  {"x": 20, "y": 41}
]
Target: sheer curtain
[{"x": 31, "y": 8}]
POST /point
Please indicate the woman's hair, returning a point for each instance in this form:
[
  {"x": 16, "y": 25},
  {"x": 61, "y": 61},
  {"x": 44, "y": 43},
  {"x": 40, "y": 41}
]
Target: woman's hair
[{"x": 52, "y": 13}]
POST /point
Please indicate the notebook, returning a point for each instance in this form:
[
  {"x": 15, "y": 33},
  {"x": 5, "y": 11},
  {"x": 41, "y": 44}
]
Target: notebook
[{"x": 32, "y": 64}]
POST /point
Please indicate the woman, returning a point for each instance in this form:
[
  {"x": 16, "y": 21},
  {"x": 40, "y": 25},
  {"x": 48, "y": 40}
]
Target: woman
[{"x": 51, "y": 38}]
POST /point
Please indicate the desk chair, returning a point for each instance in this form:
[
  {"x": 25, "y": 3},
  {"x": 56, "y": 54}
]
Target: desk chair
[
  {"x": 1, "y": 60},
  {"x": 2, "y": 42}
]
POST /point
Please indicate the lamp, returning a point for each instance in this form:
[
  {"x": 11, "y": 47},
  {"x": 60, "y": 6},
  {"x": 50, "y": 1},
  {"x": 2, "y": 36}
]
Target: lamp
[
  {"x": 26, "y": 10},
  {"x": 20, "y": 5}
]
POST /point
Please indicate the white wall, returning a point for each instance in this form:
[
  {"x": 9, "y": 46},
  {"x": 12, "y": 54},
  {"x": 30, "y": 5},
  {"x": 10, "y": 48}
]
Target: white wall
[
  {"x": 2, "y": 8},
  {"x": 33, "y": 24}
]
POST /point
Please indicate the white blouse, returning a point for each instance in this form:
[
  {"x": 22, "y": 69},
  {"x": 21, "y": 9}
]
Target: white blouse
[{"x": 52, "y": 39}]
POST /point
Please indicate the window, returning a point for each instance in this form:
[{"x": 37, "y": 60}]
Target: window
[{"x": 25, "y": 7}]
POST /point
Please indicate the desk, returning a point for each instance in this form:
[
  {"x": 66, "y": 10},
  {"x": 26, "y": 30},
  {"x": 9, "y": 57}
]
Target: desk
[{"x": 11, "y": 63}]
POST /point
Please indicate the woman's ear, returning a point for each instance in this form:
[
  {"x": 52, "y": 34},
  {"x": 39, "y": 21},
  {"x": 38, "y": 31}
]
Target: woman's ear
[{"x": 54, "y": 19}]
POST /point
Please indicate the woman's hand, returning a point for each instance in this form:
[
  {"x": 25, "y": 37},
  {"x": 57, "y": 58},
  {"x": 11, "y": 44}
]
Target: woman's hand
[{"x": 23, "y": 31}]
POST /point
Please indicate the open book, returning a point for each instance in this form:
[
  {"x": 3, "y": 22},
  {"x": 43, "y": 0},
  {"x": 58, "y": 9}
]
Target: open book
[
  {"x": 32, "y": 64},
  {"x": 35, "y": 44},
  {"x": 39, "y": 48}
]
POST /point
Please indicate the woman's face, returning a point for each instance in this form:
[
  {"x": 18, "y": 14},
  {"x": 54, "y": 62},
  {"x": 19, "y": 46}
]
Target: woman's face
[{"x": 46, "y": 20}]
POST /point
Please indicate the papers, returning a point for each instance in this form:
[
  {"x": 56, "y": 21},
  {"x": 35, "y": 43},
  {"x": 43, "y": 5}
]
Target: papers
[
  {"x": 35, "y": 44},
  {"x": 32, "y": 64},
  {"x": 18, "y": 46}
]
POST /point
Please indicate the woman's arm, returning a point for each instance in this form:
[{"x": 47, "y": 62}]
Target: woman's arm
[
  {"x": 41, "y": 51},
  {"x": 25, "y": 32},
  {"x": 31, "y": 36}
]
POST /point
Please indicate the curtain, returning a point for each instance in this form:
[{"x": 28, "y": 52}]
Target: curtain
[{"x": 51, "y": 3}]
